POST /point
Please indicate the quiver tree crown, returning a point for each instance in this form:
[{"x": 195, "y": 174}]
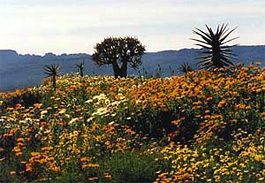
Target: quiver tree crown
[{"x": 119, "y": 52}]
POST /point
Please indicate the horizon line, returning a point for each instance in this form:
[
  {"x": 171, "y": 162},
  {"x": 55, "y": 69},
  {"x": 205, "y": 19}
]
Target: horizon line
[{"x": 68, "y": 53}]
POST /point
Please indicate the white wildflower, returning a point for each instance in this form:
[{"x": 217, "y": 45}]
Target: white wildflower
[
  {"x": 89, "y": 101},
  {"x": 73, "y": 121}
]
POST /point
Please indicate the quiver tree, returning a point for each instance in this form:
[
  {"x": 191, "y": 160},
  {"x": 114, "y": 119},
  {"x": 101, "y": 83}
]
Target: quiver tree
[
  {"x": 52, "y": 71},
  {"x": 119, "y": 52},
  {"x": 215, "y": 52},
  {"x": 80, "y": 67}
]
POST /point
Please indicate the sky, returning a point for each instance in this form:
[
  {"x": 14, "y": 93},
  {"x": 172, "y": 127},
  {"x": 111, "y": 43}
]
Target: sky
[{"x": 75, "y": 26}]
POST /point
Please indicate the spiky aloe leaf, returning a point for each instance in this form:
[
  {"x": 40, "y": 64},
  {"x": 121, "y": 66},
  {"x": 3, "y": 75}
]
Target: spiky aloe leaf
[
  {"x": 52, "y": 70},
  {"x": 80, "y": 65}
]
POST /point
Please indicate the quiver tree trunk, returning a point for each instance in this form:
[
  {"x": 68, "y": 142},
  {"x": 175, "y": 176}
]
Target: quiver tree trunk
[
  {"x": 116, "y": 70},
  {"x": 124, "y": 69},
  {"x": 54, "y": 82}
]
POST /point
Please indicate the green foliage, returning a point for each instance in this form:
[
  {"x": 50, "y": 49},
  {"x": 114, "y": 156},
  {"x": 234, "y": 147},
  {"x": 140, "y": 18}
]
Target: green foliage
[
  {"x": 130, "y": 167},
  {"x": 215, "y": 52}
]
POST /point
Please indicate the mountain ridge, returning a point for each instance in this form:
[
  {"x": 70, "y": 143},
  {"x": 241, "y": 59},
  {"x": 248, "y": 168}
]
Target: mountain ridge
[{"x": 167, "y": 50}]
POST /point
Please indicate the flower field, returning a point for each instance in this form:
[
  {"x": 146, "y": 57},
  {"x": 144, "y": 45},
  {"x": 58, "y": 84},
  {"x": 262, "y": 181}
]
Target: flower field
[{"x": 202, "y": 127}]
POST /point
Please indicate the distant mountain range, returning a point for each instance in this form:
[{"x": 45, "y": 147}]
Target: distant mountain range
[{"x": 19, "y": 71}]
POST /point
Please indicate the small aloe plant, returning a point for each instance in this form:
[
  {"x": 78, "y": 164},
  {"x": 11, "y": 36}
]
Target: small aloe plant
[
  {"x": 80, "y": 67},
  {"x": 185, "y": 68},
  {"x": 52, "y": 71}
]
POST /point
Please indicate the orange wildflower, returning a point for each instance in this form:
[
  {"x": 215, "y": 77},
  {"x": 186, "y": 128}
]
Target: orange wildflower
[
  {"x": 20, "y": 139},
  {"x": 90, "y": 166},
  {"x": 176, "y": 122},
  {"x": 107, "y": 176},
  {"x": 28, "y": 168},
  {"x": 130, "y": 131},
  {"x": 209, "y": 99},
  {"x": 84, "y": 159},
  {"x": 16, "y": 149},
  {"x": 18, "y": 153},
  {"x": 46, "y": 148},
  {"x": 221, "y": 104},
  {"x": 18, "y": 106},
  {"x": 51, "y": 159},
  {"x": 34, "y": 154},
  {"x": 37, "y": 105},
  {"x": 248, "y": 107},
  {"x": 20, "y": 144},
  {"x": 42, "y": 161}
]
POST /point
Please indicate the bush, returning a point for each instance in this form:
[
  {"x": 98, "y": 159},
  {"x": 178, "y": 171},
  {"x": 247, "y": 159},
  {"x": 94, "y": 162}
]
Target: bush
[
  {"x": 129, "y": 167},
  {"x": 24, "y": 97}
]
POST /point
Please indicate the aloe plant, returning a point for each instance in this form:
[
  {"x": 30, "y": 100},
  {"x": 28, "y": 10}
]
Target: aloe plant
[
  {"x": 185, "y": 68},
  {"x": 52, "y": 71},
  {"x": 215, "y": 52},
  {"x": 80, "y": 67}
]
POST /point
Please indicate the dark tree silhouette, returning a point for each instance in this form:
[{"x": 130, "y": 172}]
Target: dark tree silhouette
[
  {"x": 119, "y": 52},
  {"x": 215, "y": 52},
  {"x": 52, "y": 71},
  {"x": 185, "y": 68},
  {"x": 80, "y": 67}
]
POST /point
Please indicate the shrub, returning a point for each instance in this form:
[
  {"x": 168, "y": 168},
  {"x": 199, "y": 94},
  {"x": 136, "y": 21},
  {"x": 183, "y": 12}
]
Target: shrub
[{"x": 129, "y": 167}]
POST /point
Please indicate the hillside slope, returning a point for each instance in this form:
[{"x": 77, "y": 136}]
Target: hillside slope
[{"x": 205, "y": 127}]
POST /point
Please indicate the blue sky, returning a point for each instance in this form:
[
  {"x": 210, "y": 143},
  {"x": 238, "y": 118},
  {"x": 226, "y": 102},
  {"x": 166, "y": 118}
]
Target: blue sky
[{"x": 71, "y": 26}]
